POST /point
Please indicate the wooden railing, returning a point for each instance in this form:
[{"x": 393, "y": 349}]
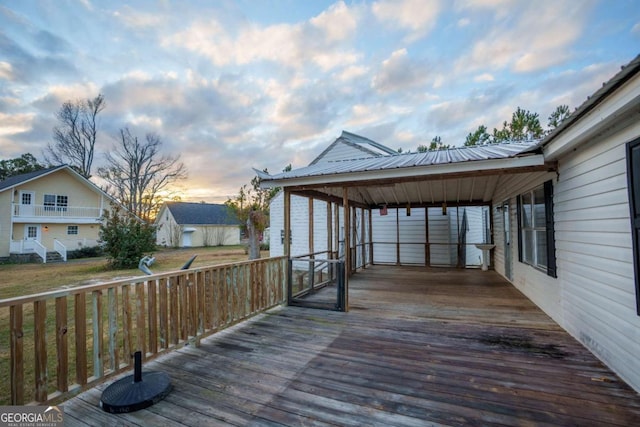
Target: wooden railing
[{"x": 62, "y": 342}]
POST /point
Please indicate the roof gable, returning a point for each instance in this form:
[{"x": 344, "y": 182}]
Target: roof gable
[
  {"x": 26, "y": 177},
  {"x": 201, "y": 214},
  {"x": 364, "y": 148},
  {"x": 32, "y": 176}
]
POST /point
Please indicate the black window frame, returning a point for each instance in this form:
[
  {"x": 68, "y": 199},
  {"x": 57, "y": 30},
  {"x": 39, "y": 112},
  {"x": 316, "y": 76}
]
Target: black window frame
[
  {"x": 633, "y": 188},
  {"x": 551, "y": 267}
]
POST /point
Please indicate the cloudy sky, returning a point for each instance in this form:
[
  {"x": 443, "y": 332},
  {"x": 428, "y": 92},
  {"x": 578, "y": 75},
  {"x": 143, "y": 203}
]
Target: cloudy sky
[{"x": 230, "y": 85}]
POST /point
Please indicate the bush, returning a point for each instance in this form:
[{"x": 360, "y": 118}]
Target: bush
[
  {"x": 126, "y": 238},
  {"x": 86, "y": 252}
]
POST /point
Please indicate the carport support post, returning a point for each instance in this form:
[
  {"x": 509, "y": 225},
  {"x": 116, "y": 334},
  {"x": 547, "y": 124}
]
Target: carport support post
[
  {"x": 287, "y": 240},
  {"x": 363, "y": 239},
  {"x": 287, "y": 222},
  {"x": 347, "y": 245},
  {"x": 370, "y": 237},
  {"x": 329, "y": 239}
]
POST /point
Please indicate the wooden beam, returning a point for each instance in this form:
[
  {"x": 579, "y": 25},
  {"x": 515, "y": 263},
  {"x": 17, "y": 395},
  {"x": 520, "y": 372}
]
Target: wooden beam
[
  {"x": 347, "y": 244},
  {"x": 371, "y": 236},
  {"x": 546, "y": 167},
  {"x": 310, "y": 227},
  {"x": 363, "y": 243},
  {"x": 287, "y": 222},
  {"x": 324, "y": 196},
  {"x": 336, "y": 234}
]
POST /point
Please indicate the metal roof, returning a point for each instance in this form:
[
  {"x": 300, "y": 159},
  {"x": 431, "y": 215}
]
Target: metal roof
[
  {"x": 202, "y": 214},
  {"x": 429, "y": 158}
]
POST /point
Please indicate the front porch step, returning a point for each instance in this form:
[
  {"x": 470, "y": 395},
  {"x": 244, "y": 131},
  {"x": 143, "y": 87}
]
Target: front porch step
[{"x": 54, "y": 257}]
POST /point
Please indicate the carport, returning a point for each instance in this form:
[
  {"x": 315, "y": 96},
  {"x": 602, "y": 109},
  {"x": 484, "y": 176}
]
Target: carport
[{"x": 444, "y": 180}]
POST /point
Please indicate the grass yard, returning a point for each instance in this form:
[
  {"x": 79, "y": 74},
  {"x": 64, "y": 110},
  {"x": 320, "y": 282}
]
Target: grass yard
[{"x": 27, "y": 279}]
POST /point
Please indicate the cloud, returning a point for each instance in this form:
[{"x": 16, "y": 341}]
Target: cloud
[
  {"x": 462, "y": 115},
  {"x": 400, "y": 73},
  {"x": 337, "y": 23},
  {"x": 418, "y": 17},
  {"x": 484, "y": 77},
  {"x": 525, "y": 37},
  {"x": 636, "y": 28},
  {"x": 317, "y": 41},
  {"x": 139, "y": 20},
  {"x": 6, "y": 71}
]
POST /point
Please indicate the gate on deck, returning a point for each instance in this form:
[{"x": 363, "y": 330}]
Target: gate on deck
[{"x": 316, "y": 283}]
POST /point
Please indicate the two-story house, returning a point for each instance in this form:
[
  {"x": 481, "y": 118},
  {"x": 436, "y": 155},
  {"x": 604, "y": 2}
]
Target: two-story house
[{"x": 45, "y": 214}]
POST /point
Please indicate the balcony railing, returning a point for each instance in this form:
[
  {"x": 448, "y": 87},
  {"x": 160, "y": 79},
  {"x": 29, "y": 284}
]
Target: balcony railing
[
  {"x": 43, "y": 211},
  {"x": 61, "y": 342}
]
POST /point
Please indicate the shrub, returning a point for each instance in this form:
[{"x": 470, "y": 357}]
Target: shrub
[
  {"x": 125, "y": 238},
  {"x": 85, "y": 252}
]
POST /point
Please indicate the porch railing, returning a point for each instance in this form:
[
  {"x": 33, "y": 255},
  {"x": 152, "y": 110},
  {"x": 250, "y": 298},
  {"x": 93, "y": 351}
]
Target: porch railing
[
  {"x": 58, "y": 343},
  {"x": 41, "y": 250},
  {"x": 60, "y": 248},
  {"x": 20, "y": 210}
]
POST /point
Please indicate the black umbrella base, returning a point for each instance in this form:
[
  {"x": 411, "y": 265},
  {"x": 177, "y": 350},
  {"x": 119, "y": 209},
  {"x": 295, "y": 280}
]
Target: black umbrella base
[{"x": 129, "y": 395}]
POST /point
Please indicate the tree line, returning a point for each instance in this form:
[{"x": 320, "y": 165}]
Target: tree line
[{"x": 523, "y": 126}]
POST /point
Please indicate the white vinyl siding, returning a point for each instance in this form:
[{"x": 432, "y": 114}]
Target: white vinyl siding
[{"x": 595, "y": 261}]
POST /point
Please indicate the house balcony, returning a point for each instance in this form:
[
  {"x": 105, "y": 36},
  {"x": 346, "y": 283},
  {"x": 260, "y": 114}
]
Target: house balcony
[
  {"x": 55, "y": 214},
  {"x": 418, "y": 347}
]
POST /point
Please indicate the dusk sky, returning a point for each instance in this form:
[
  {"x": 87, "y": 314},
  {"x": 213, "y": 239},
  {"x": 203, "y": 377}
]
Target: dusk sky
[{"x": 231, "y": 85}]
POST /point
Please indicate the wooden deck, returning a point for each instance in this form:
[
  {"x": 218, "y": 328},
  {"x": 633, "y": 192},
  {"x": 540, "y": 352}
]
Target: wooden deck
[{"x": 419, "y": 347}]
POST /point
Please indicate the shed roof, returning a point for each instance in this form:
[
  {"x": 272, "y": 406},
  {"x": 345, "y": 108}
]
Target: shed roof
[{"x": 202, "y": 214}]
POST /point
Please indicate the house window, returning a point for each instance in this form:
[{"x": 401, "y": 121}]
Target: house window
[
  {"x": 26, "y": 198},
  {"x": 633, "y": 185},
  {"x": 535, "y": 229},
  {"x": 54, "y": 202},
  {"x": 72, "y": 230},
  {"x": 32, "y": 232}
]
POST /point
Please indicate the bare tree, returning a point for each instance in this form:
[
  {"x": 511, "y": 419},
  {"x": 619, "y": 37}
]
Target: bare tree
[
  {"x": 175, "y": 235},
  {"x": 75, "y": 137},
  {"x": 137, "y": 173}
]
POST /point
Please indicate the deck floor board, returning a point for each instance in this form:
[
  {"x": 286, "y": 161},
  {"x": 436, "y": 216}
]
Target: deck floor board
[{"x": 418, "y": 347}]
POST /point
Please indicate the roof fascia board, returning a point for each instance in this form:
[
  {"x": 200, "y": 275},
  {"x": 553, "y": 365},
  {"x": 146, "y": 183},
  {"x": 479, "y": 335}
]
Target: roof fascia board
[
  {"x": 411, "y": 172},
  {"x": 608, "y": 111}
]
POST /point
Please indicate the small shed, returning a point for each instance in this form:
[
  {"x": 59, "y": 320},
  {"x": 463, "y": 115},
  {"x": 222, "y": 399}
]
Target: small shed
[{"x": 182, "y": 224}]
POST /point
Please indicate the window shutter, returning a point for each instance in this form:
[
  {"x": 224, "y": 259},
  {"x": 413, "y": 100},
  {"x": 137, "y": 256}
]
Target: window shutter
[
  {"x": 633, "y": 184},
  {"x": 551, "y": 241}
]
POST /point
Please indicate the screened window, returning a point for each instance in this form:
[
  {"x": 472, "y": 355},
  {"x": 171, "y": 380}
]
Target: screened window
[
  {"x": 72, "y": 230},
  {"x": 535, "y": 224}
]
